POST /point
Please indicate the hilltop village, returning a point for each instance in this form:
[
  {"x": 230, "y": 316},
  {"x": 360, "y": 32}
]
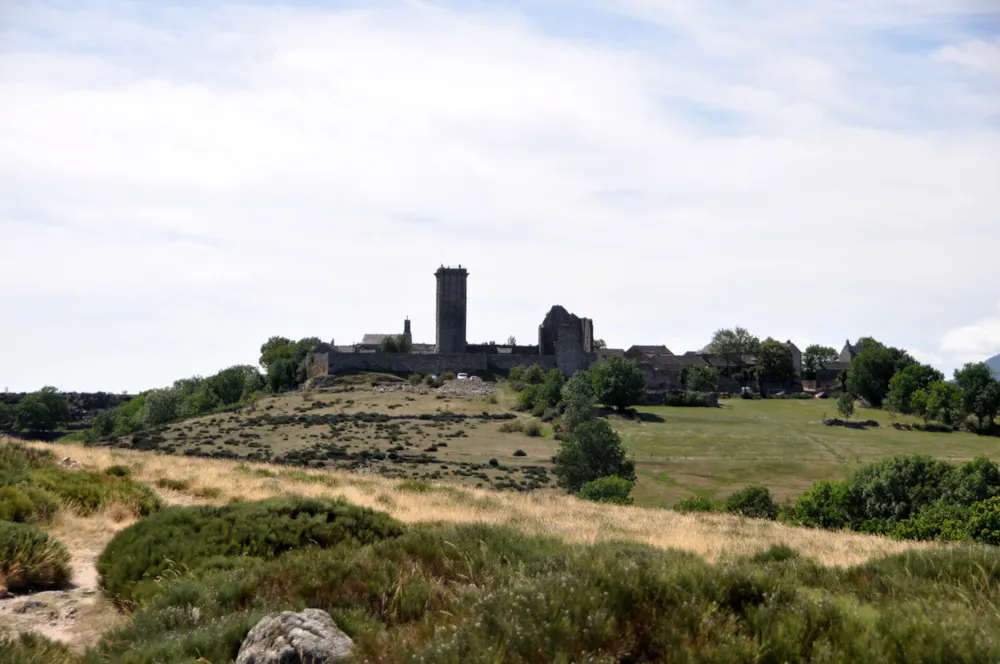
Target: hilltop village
[{"x": 565, "y": 342}]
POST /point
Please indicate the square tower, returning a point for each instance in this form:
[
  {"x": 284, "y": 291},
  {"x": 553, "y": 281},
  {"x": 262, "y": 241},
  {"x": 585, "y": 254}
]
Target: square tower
[{"x": 451, "y": 296}]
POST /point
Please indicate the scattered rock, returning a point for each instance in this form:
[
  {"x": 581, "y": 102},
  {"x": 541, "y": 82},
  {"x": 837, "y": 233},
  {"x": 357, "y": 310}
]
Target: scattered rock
[
  {"x": 472, "y": 386},
  {"x": 307, "y": 637},
  {"x": 69, "y": 463},
  {"x": 28, "y": 605}
]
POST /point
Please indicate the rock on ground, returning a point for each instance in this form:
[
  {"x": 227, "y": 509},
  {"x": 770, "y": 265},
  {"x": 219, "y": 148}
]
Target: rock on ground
[{"x": 307, "y": 637}]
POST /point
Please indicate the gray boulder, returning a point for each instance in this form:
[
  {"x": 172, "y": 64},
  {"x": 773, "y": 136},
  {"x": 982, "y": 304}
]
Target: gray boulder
[{"x": 307, "y": 637}]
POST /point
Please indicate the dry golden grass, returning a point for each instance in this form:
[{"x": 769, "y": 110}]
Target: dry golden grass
[{"x": 547, "y": 513}]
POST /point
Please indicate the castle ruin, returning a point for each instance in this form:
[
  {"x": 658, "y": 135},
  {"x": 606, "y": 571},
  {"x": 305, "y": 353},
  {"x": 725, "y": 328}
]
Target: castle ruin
[{"x": 565, "y": 342}]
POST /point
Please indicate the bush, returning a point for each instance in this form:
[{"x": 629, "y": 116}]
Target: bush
[
  {"x": 607, "y": 490},
  {"x": 686, "y": 399},
  {"x": 30, "y": 559},
  {"x": 118, "y": 471},
  {"x": 87, "y": 492},
  {"x": 696, "y": 504},
  {"x": 825, "y": 505},
  {"x": 15, "y": 506},
  {"x": 520, "y": 453},
  {"x": 754, "y": 502},
  {"x": 511, "y": 426},
  {"x": 448, "y": 375},
  {"x": 776, "y": 553},
  {"x": 482, "y": 594},
  {"x": 984, "y": 521},
  {"x": 172, "y": 484},
  {"x": 188, "y": 538},
  {"x": 532, "y": 428},
  {"x": 897, "y": 488},
  {"x": 27, "y": 504}
]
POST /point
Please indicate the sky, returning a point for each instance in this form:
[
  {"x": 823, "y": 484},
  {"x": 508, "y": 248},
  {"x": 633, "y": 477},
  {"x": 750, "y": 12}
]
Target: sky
[{"x": 181, "y": 180}]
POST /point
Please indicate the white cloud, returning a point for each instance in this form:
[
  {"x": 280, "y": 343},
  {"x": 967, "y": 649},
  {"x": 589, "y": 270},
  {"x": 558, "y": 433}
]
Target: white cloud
[
  {"x": 977, "y": 54},
  {"x": 204, "y": 179},
  {"x": 973, "y": 343}
]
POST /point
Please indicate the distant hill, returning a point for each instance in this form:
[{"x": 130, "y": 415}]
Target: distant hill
[{"x": 994, "y": 363}]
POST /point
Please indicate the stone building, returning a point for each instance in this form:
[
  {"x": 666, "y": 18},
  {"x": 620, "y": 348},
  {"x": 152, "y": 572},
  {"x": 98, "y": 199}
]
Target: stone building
[{"x": 565, "y": 342}]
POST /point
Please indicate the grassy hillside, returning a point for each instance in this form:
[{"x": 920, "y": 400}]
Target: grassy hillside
[
  {"x": 679, "y": 452},
  {"x": 453, "y": 573}
]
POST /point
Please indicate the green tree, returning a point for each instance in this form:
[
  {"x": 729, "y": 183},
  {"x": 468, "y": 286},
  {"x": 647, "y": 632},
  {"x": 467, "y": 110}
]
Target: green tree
[
  {"x": 395, "y": 343},
  {"x": 600, "y": 343},
  {"x": 700, "y": 378},
  {"x": 987, "y": 404},
  {"x": 845, "y": 404},
  {"x": 973, "y": 379},
  {"x": 592, "y": 451},
  {"x": 732, "y": 344},
  {"x": 43, "y": 410},
  {"x": 274, "y": 348},
  {"x": 870, "y": 372},
  {"x": 944, "y": 402},
  {"x": 775, "y": 363},
  {"x": 815, "y": 357},
  {"x": 907, "y": 381},
  {"x": 161, "y": 406},
  {"x": 618, "y": 382},
  {"x": 282, "y": 375},
  {"x": 6, "y": 416},
  {"x": 578, "y": 401},
  {"x": 512, "y": 340}
]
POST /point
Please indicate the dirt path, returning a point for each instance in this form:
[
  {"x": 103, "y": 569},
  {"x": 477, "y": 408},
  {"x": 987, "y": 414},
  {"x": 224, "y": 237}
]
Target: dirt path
[
  {"x": 75, "y": 616},
  {"x": 78, "y": 615}
]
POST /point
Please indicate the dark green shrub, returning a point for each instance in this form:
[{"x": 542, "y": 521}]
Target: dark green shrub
[
  {"x": 448, "y": 375},
  {"x": 15, "y": 506},
  {"x": 825, "y": 505},
  {"x": 754, "y": 502},
  {"x": 984, "y": 521},
  {"x": 897, "y": 488},
  {"x": 118, "y": 471},
  {"x": 520, "y": 453},
  {"x": 937, "y": 521},
  {"x": 607, "y": 490},
  {"x": 696, "y": 504},
  {"x": 532, "y": 429},
  {"x": 776, "y": 553},
  {"x": 30, "y": 559},
  {"x": 686, "y": 399},
  {"x": 27, "y": 504},
  {"x": 172, "y": 484},
  {"x": 972, "y": 482},
  {"x": 188, "y": 538},
  {"x": 87, "y": 491}
]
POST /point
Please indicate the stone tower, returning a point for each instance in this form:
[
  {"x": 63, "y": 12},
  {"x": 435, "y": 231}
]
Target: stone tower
[{"x": 451, "y": 294}]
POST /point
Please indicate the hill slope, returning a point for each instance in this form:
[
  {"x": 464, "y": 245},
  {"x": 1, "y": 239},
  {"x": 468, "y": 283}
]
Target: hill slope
[{"x": 994, "y": 363}]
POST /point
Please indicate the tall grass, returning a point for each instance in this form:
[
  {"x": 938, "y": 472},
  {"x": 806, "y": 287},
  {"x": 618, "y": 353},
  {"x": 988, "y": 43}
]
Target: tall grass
[
  {"x": 544, "y": 513},
  {"x": 30, "y": 559}
]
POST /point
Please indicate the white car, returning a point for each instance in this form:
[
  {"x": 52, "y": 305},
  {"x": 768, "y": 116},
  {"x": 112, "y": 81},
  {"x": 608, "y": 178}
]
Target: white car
[{"x": 463, "y": 376}]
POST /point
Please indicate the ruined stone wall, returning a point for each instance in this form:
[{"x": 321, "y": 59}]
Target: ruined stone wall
[
  {"x": 508, "y": 362},
  {"x": 570, "y": 356},
  {"x": 422, "y": 363},
  {"x": 588, "y": 335}
]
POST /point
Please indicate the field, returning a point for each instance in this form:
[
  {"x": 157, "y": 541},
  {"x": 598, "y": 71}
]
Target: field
[
  {"x": 679, "y": 452},
  {"x": 780, "y": 443}
]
